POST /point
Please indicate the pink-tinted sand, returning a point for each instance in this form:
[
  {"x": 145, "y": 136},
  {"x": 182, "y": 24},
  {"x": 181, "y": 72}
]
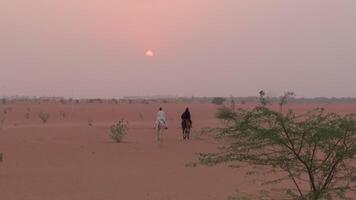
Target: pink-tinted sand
[{"x": 66, "y": 159}]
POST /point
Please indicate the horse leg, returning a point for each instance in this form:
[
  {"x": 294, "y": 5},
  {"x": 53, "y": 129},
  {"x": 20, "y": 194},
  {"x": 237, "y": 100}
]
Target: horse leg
[{"x": 158, "y": 134}]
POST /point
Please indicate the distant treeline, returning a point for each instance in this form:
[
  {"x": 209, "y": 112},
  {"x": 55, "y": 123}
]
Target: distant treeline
[
  {"x": 147, "y": 100},
  {"x": 300, "y": 100}
]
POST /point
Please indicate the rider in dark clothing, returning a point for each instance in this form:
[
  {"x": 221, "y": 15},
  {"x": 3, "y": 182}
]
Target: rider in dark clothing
[{"x": 186, "y": 116}]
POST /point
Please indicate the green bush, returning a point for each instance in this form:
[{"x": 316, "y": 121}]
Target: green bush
[
  {"x": 218, "y": 100},
  {"x": 225, "y": 114},
  {"x": 119, "y": 130}
]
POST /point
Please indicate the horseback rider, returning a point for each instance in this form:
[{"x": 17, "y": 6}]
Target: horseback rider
[
  {"x": 161, "y": 119},
  {"x": 186, "y": 116}
]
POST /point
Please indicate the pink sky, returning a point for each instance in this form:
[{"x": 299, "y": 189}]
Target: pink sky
[{"x": 96, "y": 48}]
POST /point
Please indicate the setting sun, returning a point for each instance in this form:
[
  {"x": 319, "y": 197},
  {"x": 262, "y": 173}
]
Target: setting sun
[{"x": 149, "y": 53}]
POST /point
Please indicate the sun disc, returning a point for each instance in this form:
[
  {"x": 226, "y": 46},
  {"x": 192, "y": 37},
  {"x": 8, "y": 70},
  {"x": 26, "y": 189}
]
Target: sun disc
[{"x": 149, "y": 53}]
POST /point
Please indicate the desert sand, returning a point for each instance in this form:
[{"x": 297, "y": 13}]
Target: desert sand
[{"x": 66, "y": 159}]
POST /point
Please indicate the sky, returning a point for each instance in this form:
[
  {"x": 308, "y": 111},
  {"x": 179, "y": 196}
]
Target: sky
[{"x": 98, "y": 48}]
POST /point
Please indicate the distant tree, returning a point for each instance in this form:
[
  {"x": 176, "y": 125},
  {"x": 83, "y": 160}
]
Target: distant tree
[
  {"x": 316, "y": 150},
  {"x": 115, "y": 101},
  {"x": 218, "y": 100},
  {"x": 233, "y": 103}
]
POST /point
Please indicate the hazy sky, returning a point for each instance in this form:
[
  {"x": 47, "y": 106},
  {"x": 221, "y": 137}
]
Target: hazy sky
[{"x": 96, "y": 48}]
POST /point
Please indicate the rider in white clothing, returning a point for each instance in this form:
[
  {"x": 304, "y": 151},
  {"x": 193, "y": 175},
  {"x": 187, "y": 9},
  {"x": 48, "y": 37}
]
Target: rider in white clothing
[
  {"x": 161, "y": 123},
  {"x": 161, "y": 118}
]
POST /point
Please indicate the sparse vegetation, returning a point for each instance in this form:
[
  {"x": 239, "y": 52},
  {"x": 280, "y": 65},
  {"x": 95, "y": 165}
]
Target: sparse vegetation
[
  {"x": 2, "y": 122},
  {"x": 316, "y": 150},
  {"x": 27, "y": 115},
  {"x": 95, "y": 100},
  {"x": 7, "y": 110},
  {"x": 63, "y": 101},
  {"x": 62, "y": 114},
  {"x": 225, "y": 114},
  {"x": 115, "y": 101},
  {"x": 119, "y": 130},
  {"x": 218, "y": 100},
  {"x": 235, "y": 197},
  {"x": 140, "y": 116},
  {"x": 44, "y": 116},
  {"x": 90, "y": 122}
]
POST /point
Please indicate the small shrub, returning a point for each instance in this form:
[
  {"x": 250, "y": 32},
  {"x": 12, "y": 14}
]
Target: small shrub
[
  {"x": 191, "y": 164},
  {"x": 119, "y": 130},
  {"x": 90, "y": 122},
  {"x": 2, "y": 121},
  {"x": 62, "y": 114},
  {"x": 44, "y": 116},
  {"x": 141, "y": 116},
  {"x": 218, "y": 100},
  {"x": 27, "y": 115},
  {"x": 7, "y": 110}
]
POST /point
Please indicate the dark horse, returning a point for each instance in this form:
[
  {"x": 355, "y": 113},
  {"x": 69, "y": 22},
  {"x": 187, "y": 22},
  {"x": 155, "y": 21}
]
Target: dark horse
[{"x": 186, "y": 125}]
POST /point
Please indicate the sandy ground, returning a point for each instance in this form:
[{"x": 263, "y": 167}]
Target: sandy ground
[{"x": 66, "y": 159}]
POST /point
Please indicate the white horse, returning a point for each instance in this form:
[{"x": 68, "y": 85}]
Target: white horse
[{"x": 160, "y": 127}]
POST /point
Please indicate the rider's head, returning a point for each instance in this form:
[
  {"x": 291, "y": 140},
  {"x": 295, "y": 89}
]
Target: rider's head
[
  {"x": 187, "y": 109},
  {"x": 160, "y": 108}
]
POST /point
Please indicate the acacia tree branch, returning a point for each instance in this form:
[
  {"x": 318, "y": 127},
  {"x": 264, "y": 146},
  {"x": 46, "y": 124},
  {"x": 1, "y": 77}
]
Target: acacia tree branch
[
  {"x": 313, "y": 155},
  {"x": 333, "y": 169},
  {"x": 295, "y": 183},
  {"x": 301, "y": 143},
  {"x": 330, "y": 175},
  {"x": 292, "y": 148},
  {"x": 333, "y": 149}
]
